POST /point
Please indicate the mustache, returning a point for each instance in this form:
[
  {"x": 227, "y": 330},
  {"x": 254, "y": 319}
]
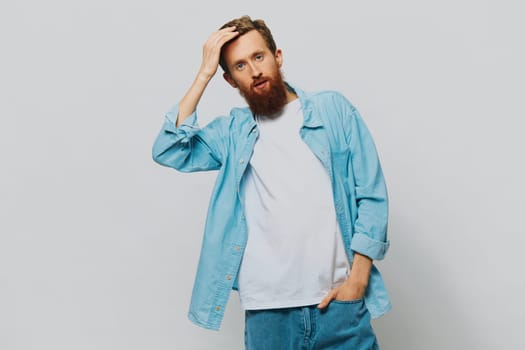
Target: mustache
[{"x": 258, "y": 80}]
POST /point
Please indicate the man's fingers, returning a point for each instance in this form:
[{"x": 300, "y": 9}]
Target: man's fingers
[
  {"x": 327, "y": 299},
  {"x": 228, "y": 29},
  {"x": 224, "y": 33},
  {"x": 215, "y": 42},
  {"x": 226, "y": 36},
  {"x": 324, "y": 303}
]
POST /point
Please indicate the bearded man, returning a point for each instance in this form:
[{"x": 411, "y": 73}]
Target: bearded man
[{"x": 299, "y": 210}]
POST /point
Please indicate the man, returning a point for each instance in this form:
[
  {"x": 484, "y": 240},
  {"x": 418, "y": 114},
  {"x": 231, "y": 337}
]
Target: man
[{"x": 299, "y": 209}]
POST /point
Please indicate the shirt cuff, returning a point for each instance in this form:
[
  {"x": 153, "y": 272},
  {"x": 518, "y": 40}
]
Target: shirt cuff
[
  {"x": 372, "y": 248},
  {"x": 187, "y": 125}
]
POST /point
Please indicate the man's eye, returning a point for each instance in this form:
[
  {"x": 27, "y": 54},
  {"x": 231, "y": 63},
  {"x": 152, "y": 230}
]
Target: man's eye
[
  {"x": 259, "y": 57},
  {"x": 239, "y": 66}
]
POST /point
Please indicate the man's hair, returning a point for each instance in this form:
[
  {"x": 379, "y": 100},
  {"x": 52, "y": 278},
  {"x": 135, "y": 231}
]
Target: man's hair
[{"x": 243, "y": 25}]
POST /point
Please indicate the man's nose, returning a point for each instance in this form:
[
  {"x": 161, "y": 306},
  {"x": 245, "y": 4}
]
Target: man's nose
[{"x": 256, "y": 72}]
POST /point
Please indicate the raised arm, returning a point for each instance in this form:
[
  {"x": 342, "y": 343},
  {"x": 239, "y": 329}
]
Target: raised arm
[
  {"x": 181, "y": 143},
  {"x": 210, "y": 61}
]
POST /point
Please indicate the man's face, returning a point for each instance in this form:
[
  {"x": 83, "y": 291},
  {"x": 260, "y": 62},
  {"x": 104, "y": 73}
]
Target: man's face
[{"x": 255, "y": 71}]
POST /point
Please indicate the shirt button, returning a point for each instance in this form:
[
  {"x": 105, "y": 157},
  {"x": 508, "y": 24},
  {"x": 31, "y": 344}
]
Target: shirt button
[
  {"x": 228, "y": 277},
  {"x": 217, "y": 308},
  {"x": 241, "y": 161},
  {"x": 237, "y": 248}
]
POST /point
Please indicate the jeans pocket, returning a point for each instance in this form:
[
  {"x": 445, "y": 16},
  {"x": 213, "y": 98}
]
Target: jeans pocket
[{"x": 343, "y": 302}]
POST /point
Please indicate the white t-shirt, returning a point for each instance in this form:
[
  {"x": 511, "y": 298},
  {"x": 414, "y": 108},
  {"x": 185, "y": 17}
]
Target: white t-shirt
[{"x": 295, "y": 254}]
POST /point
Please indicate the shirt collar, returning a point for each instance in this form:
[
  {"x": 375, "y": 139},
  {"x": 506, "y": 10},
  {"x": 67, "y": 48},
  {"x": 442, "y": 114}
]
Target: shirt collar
[{"x": 311, "y": 119}]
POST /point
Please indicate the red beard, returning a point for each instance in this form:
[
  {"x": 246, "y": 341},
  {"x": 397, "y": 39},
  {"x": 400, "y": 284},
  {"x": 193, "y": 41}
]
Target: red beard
[{"x": 269, "y": 103}]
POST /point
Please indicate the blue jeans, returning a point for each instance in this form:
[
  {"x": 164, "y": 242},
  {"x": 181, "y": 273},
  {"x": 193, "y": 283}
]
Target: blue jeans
[{"x": 342, "y": 325}]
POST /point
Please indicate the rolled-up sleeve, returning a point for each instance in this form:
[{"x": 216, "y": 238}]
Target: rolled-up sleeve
[
  {"x": 188, "y": 147},
  {"x": 370, "y": 227}
]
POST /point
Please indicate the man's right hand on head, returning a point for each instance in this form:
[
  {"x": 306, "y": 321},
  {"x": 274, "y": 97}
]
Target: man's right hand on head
[{"x": 211, "y": 51}]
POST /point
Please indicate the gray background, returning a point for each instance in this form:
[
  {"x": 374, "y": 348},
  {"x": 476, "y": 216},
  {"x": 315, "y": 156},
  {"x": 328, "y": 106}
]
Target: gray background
[{"x": 99, "y": 245}]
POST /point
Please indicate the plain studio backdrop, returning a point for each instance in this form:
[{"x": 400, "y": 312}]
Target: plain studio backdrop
[{"x": 99, "y": 245}]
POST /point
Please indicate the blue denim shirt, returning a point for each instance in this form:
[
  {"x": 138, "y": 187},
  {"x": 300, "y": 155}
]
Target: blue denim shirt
[{"x": 336, "y": 134}]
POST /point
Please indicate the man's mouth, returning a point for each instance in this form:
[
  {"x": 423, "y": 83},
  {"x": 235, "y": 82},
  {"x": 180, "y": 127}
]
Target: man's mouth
[{"x": 261, "y": 84}]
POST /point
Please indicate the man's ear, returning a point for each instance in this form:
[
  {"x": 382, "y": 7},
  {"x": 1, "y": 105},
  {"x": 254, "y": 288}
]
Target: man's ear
[
  {"x": 230, "y": 80},
  {"x": 279, "y": 57}
]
